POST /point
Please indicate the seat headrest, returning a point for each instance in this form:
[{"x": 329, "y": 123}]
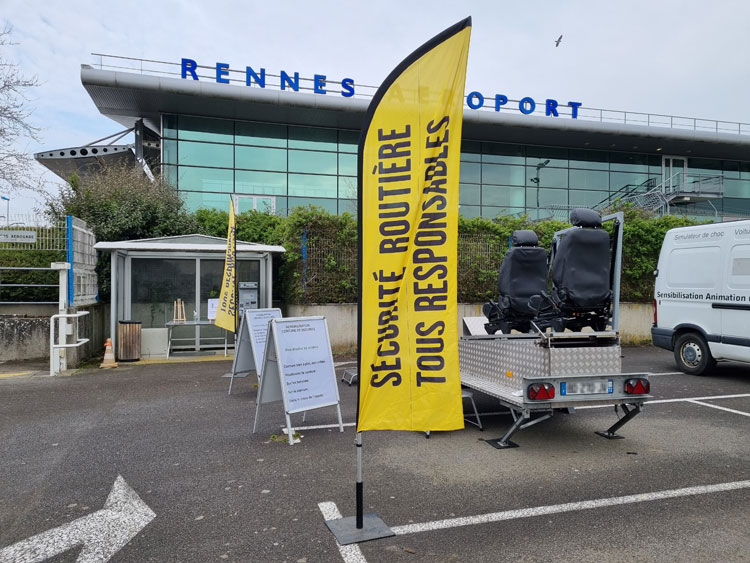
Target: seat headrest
[
  {"x": 524, "y": 238},
  {"x": 583, "y": 217}
]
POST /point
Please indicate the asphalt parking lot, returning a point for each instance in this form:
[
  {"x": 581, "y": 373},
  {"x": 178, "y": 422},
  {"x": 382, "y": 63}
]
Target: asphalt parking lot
[{"x": 677, "y": 488}]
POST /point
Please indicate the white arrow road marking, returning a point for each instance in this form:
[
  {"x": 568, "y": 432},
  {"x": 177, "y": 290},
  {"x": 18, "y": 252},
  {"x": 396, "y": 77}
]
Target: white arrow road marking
[{"x": 102, "y": 533}]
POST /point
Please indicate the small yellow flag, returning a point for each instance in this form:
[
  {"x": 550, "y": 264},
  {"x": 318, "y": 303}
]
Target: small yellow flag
[{"x": 226, "y": 313}]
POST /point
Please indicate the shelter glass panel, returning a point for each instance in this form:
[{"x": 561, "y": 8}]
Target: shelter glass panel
[{"x": 156, "y": 283}]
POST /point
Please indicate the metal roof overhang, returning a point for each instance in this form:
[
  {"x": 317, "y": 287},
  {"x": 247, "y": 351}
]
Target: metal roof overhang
[
  {"x": 127, "y": 97},
  {"x": 79, "y": 160}
]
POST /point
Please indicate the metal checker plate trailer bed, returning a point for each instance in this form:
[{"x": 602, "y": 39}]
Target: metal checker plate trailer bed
[{"x": 583, "y": 368}]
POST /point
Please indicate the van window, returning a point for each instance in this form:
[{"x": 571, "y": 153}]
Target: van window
[
  {"x": 739, "y": 273},
  {"x": 694, "y": 267}
]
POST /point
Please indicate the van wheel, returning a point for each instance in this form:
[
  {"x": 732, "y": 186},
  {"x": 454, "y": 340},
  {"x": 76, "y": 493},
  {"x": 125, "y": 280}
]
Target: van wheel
[{"x": 692, "y": 354}]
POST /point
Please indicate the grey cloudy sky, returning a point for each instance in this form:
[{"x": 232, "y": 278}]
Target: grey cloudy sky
[{"x": 685, "y": 58}]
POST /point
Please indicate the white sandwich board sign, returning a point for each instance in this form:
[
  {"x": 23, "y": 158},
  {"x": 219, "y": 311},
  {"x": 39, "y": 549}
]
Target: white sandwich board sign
[
  {"x": 298, "y": 369},
  {"x": 251, "y": 343}
]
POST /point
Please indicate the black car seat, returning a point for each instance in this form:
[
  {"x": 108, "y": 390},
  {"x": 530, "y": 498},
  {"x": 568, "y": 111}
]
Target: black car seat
[{"x": 522, "y": 274}]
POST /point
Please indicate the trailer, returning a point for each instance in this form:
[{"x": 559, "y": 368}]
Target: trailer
[{"x": 545, "y": 371}]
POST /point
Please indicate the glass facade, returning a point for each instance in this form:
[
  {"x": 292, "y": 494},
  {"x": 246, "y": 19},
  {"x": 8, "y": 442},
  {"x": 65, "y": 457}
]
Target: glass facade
[{"x": 278, "y": 167}]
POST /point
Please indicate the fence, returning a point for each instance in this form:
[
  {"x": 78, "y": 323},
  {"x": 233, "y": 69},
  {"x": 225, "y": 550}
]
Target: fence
[{"x": 28, "y": 245}]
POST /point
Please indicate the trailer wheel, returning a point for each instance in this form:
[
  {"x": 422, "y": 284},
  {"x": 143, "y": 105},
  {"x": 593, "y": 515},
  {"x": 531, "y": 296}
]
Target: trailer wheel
[{"x": 692, "y": 354}]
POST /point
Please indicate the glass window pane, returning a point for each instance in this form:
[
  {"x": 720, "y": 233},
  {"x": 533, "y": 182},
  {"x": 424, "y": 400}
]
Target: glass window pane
[
  {"x": 736, "y": 188},
  {"x": 348, "y": 206},
  {"x": 155, "y": 284},
  {"x": 469, "y": 194},
  {"x": 206, "y": 129},
  {"x": 313, "y": 186},
  {"x": 502, "y": 153},
  {"x": 629, "y": 162},
  {"x": 471, "y": 172},
  {"x": 586, "y": 198},
  {"x": 469, "y": 211},
  {"x": 547, "y": 177},
  {"x": 261, "y": 158},
  {"x": 589, "y": 180},
  {"x": 260, "y": 182},
  {"x": 170, "y": 174},
  {"x": 327, "y": 204},
  {"x": 628, "y": 180},
  {"x": 507, "y": 196},
  {"x": 471, "y": 151},
  {"x": 348, "y": 141},
  {"x": 492, "y": 212},
  {"x": 205, "y": 200},
  {"x": 348, "y": 164},
  {"x": 169, "y": 152},
  {"x": 312, "y": 138},
  {"x": 169, "y": 126},
  {"x": 205, "y": 154},
  {"x": 549, "y": 197},
  {"x": 557, "y": 157},
  {"x": 503, "y": 174},
  {"x": 590, "y": 160},
  {"x": 212, "y": 272},
  {"x": 262, "y": 134},
  {"x": 205, "y": 179},
  {"x": 347, "y": 187},
  {"x": 312, "y": 162}
]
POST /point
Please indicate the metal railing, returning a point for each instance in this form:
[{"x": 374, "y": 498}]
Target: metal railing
[{"x": 173, "y": 70}]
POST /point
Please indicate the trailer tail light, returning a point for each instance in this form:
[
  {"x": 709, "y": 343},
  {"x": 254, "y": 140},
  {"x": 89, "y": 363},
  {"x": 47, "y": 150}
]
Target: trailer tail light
[
  {"x": 637, "y": 386},
  {"x": 656, "y": 316},
  {"x": 540, "y": 392}
]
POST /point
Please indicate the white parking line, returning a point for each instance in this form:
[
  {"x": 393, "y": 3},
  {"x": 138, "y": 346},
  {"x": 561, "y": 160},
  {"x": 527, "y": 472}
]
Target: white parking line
[
  {"x": 743, "y": 413},
  {"x": 567, "y": 507},
  {"x": 351, "y": 553}
]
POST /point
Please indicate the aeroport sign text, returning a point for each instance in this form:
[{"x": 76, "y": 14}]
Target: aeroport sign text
[{"x": 474, "y": 100}]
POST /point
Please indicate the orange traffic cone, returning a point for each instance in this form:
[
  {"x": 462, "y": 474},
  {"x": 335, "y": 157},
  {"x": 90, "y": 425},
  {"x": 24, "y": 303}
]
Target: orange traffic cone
[{"x": 109, "y": 355}]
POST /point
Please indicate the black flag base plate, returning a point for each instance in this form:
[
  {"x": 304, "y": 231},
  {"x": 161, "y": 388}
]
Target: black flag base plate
[{"x": 346, "y": 531}]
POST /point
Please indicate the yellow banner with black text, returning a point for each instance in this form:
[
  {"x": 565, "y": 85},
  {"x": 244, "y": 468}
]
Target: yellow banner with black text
[
  {"x": 226, "y": 312},
  {"x": 408, "y": 218}
]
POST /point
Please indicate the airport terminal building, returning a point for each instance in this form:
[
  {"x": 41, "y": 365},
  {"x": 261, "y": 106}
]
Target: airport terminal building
[{"x": 280, "y": 140}]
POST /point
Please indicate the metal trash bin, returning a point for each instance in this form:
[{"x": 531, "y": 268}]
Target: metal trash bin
[{"x": 129, "y": 340}]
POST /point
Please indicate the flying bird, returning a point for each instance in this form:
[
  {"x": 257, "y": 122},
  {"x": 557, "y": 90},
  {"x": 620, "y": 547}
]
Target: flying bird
[{"x": 557, "y": 43}]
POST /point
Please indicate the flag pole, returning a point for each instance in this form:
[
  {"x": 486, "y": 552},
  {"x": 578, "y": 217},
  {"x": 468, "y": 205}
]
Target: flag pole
[{"x": 360, "y": 485}]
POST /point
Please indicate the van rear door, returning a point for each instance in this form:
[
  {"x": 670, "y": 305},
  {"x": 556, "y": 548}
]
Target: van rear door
[{"x": 734, "y": 303}]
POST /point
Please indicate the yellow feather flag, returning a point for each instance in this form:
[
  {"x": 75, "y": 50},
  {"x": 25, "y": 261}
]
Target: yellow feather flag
[
  {"x": 226, "y": 313},
  {"x": 408, "y": 171}
]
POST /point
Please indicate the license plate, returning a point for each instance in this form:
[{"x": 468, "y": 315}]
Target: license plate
[{"x": 596, "y": 387}]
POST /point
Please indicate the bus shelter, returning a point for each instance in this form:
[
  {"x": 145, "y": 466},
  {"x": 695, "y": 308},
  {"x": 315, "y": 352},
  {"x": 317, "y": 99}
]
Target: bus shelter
[{"x": 169, "y": 285}]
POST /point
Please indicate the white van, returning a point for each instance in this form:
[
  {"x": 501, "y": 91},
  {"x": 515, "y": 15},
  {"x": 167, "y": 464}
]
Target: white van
[{"x": 702, "y": 295}]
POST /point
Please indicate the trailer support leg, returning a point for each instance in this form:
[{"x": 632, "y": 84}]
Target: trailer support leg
[
  {"x": 504, "y": 442},
  {"x": 611, "y": 432}
]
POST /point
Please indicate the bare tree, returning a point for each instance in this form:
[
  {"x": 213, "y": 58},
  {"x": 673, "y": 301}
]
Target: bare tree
[{"x": 16, "y": 166}]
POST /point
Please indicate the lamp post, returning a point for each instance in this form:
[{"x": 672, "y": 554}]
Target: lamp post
[
  {"x": 536, "y": 181},
  {"x": 7, "y": 209}
]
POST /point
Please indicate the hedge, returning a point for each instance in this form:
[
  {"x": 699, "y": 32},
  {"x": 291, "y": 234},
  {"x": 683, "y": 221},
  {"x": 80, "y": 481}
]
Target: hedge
[{"x": 320, "y": 263}]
